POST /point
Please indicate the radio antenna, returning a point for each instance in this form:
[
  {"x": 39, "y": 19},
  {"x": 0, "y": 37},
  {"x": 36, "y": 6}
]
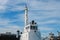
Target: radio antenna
[{"x": 26, "y": 13}]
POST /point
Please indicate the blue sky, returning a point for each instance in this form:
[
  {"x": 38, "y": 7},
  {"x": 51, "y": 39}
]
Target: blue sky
[{"x": 45, "y": 12}]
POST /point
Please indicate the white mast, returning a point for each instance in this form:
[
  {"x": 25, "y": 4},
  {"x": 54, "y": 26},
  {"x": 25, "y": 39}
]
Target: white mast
[{"x": 26, "y": 15}]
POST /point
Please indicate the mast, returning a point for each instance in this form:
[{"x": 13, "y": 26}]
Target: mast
[{"x": 26, "y": 15}]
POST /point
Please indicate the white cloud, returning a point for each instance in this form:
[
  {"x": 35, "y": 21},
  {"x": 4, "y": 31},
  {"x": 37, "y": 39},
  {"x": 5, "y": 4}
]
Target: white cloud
[
  {"x": 16, "y": 5},
  {"x": 47, "y": 22},
  {"x": 2, "y": 9},
  {"x": 4, "y": 21},
  {"x": 37, "y": 5},
  {"x": 9, "y": 28},
  {"x": 17, "y": 8},
  {"x": 46, "y": 28},
  {"x": 33, "y": 4},
  {"x": 3, "y": 5},
  {"x": 11, "y": 5},
  {"x": 5, "y": 26},
  {"x": 3, "y": 2}
]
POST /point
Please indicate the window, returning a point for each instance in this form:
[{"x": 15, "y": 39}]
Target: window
[
  {"x": 33, "y": 27},
  {"x": 27, "y": 27}
]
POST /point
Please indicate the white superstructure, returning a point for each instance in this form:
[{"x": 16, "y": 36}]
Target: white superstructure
[{"x": 30, "y": 30}]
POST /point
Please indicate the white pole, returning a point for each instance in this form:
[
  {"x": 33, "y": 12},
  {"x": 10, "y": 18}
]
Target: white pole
[{"x": 26, "y": 15}]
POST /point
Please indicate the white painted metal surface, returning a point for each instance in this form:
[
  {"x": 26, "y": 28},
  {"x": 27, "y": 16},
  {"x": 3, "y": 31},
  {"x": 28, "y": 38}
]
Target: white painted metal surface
[{"x": 30, "y": 30}]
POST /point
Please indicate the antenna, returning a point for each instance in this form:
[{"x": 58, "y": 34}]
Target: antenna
[{"x": 26, "y": 14}]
